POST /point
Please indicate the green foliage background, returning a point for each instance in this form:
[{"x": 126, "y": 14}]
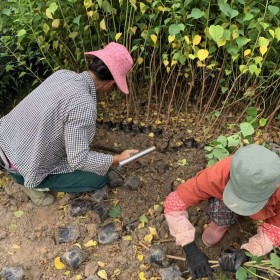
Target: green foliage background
[{"x": 213, "y": 56}]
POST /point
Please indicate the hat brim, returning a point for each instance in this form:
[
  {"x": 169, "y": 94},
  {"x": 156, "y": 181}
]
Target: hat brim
[
  {"x": 239, "y": 206},
  {"x": 119, "y": 80}
]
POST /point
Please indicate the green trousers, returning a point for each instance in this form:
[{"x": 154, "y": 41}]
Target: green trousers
[{"x": 77, "y": 181}]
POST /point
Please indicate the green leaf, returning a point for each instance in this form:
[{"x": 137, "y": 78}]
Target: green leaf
[
  {"x": 246, "y": 129},
  {"x": 208, "y": 148},
  {"x": 275, "y": 260},
  {"x": 73, "y": 35},
  {"x": 115, "y": 211},
  {"x": 143, "y": 219},
  {"x": 196, "y": 13},
  {"x": 222, "y": 140},
  {"x": 253, "y": 68},
  {"x": 273, "y": 9},
  {"x": 6, "y": 12},
  {"x": 241, "y": 41},
  {"x": 277, "y": 33},
  {"x": 18, "y": 213},
  {"x": 21, "y": 33},
  {"x": 46, "y": 28},
  {"x": 212, "y": 162},
  {"x": 77, "y": 20},
  {"x": 53, "y": 7},
  {"x": 234, "y": 140},
  {"x": 176, "y": 28},
  {"x": 220, "y": 152},
  {"x": 216, "y": 32},
  {"x": 241, "y": 274},
  {"x": 262, "y": 122},
  {"x": 248, "y": 16},
  {"x": 251, "y": 111},
  {"x": 227, "y": 10}
]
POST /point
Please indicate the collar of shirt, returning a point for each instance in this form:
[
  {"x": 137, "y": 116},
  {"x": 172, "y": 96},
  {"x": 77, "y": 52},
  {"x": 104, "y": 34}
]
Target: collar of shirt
[{"x": 91, "y": 86}]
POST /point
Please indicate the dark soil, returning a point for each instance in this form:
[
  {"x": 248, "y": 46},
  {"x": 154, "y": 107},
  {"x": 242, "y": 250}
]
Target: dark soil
[{"x": 31, "y": 240}]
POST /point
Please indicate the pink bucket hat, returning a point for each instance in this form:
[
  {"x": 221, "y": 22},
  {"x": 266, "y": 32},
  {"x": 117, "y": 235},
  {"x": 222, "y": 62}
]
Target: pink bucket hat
[{"x": 118, "y": 60}]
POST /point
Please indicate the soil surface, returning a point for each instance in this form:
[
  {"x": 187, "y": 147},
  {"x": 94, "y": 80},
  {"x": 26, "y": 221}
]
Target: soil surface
[{"x": 29, "y": 234}]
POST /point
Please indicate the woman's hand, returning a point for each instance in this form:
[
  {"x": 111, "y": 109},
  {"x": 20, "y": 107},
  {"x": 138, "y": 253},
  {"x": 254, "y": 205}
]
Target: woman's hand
[{"x": 124, "y": 155}]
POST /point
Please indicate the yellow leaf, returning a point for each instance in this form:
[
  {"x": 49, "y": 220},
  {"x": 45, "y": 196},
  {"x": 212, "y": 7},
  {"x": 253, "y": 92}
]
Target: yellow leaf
[
  {"x": 142, "y": 276},
  {"x": 118, "y": 35},
  {"x": 58, "y": 264},
  {"x": 87, "y": 3},
  {"x": 263, "y": 49},
  {"x": 221, "y": 42},
  {"x": 133, "y": 2},
  {"x": 103, "y": 24},
  {"x": 55, "y": 24},
  {"x": 127, "y": 238},
  {"x": 161, "y": 8},
  {"x": 154, "y": 38},
  {"x": 271, "y": 32},
  {"x": 168, "y": 69},
  {"x": 142, "y": 6},
  {"x": 79, "y": 277},
  {"x": 165, "y": 62},
  {"x": 67, "y": 273},
  {"x": 200, "y": 64},
  {"x": 140, "y": 60},
  {"x": 187, "y": 39},
  {"x": 158, "y": 122},
  {"x": 151, "y": 134},
  {"x": 78, "y": 245},
  {"x": 247, "y": 52},
  {"x": 148, "y": 238},
  {"x": 49, "y": 13},
  {"x": 243, "y": 68},
  {"x": 153, "y": 231},
  {"x": 174, "y": 62},
  {"x": 15, "y": 246},
  {"x": 117, "y": 272},
  {"x": 133, "y": 29},
  {"x": 90, "y": 243},
  {"x": 171, "y": 38},
  {"x": 202, "y": 54},
  {"x": 101, "y": 264},
  {"x": 196, "y": 40},
  {"x": 102, "y": 274},
  {"x": 90, "y": 13},
  {"x": 140, "y": 257}
]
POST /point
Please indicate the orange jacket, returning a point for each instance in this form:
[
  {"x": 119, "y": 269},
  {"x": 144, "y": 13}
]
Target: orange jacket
[{"x": 212, "y": 181}]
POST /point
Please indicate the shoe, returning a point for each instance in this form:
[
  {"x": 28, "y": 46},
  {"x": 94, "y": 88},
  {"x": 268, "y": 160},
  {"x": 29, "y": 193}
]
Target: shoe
[
  {"x": 213, "y": 234},
  {"x": 39, "y": 198}
]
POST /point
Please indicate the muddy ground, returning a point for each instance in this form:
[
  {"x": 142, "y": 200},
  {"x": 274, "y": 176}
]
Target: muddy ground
[{"x": 31, "y": 239}]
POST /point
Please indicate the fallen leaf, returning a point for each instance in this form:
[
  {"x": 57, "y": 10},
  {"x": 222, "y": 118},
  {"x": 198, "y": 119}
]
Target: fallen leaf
[
  {"x": 78, "y": 245},
  {"x": 79, "y": 277},
  {"x": 18, "y": 213},
  {"x": 102, "y": 274},
  {"x": 140, "y": 257},
  {"x": 127, "y": 238},
  {"x": 143, "y": 219},
  {"x": 58, "y": 264},
  {"x": 67, "y": 273},
  {"x": 117, "y": 272},
  {"x": 148, "y": 238},
  {"x": 153, "y": 231},
  {"x": 90, "y": 243},
  {"x": 101, "y": 264},
  {"x": 142, "y": 276},
  {"x": 15, "y": 246},
  {"x": 151, "y": 134}
]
